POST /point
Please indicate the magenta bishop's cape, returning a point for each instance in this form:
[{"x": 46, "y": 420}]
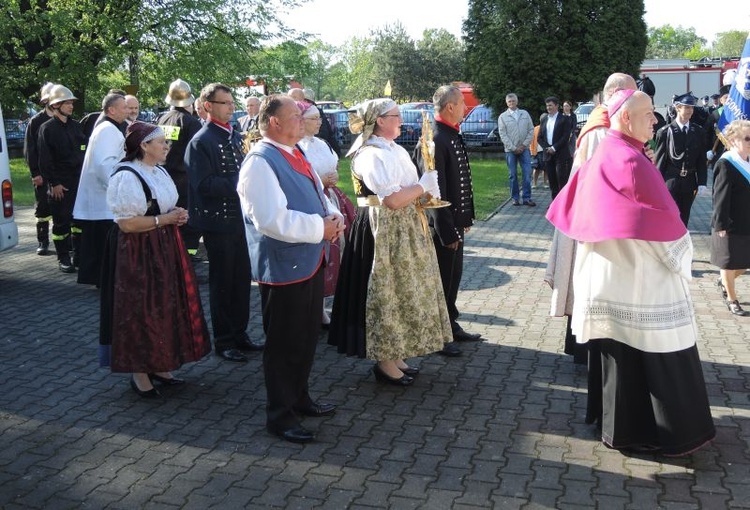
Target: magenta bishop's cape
[{"x": 617, "y": 194}]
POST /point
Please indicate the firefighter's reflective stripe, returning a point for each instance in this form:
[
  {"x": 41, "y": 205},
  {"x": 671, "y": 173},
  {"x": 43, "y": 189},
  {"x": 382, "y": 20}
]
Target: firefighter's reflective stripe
[
  {"x": 45, "y": 219},
  {"x": 171, "y": 132},
  {"x": 60, "y": 237},
  {"x": 75, "y": 230}
]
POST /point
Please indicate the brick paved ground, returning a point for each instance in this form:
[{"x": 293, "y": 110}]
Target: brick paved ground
[{"x": 500, "y": 427}]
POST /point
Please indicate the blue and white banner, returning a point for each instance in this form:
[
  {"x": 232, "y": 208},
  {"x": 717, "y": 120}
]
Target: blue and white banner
[{"x": 737, "y": 106}]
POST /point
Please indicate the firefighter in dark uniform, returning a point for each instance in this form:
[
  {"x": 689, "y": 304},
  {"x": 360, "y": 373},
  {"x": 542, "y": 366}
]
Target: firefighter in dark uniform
[
  {"x": 179, "y": 126},
  {"x": 31, "y": 154},
  {"x": 62, "y": 147},
  {"x": 681, "y": 156}
]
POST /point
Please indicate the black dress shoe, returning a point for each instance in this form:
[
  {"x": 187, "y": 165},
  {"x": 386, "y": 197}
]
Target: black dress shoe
[
  {"x": 152, "y": 393},
  {"x": 316, "y": 410},
  {"x": 166, "y": 381},
  {"x": 245, "y": 344},
  {"x": 232, "y": 355},
  {"x": 43, "y": 249},
  {"x": 381, "y": 376},
  {"x": 298, "y": 434},
  {"x": 450, "y": 350},
  {"x": 465, "y": 336}
]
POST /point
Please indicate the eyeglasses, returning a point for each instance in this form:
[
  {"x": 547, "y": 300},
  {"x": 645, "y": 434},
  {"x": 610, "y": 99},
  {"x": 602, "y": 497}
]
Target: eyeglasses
[
  {"x": 314, "y": 119},
  {"x": 221, "y": 102},
  {"x": 392, "y": 115}
]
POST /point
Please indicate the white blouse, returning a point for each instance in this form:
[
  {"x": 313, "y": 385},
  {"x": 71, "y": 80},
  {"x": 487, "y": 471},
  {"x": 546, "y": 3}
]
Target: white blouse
[
  {"x": 125, "y": 196},
  {"x": 635, "y": 292},
  {"x": 385, "y": 166},
  {"x": 319, "y": 154}
]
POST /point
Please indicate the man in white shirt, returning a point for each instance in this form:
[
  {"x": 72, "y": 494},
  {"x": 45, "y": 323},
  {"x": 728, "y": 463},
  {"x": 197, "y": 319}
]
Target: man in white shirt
[
  {"x": 554, "y": 133},
  {"x": 106, "y": 148},
  {"x": 516, "y": 130},
  {"x": 289, "y": 222}
]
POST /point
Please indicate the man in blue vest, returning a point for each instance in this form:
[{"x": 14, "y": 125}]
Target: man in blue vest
[{"x": 289, "y": 222}]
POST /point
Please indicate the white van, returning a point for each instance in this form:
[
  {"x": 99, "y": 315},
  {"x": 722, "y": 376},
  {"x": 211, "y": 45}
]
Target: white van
[{"x": 8, "y": 228}]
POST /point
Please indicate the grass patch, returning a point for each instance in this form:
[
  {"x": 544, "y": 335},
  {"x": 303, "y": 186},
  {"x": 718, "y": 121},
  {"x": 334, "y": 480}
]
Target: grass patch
[
  {"x": 489, "y": 177},
  {"x": 23, "y": 189}
]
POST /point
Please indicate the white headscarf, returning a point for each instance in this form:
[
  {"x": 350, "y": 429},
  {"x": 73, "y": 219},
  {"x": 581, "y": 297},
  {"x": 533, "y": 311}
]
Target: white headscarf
[{"x": 364, "y": 117}]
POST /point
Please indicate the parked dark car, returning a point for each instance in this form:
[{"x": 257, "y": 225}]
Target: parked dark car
[
  {"x": 479, "y": 128},
  {"x": 419, "y": 105},
  {"x": 411, "y": 126},
  {"x": 15, "y": 130},
  {"x": 339, "y": 121}
]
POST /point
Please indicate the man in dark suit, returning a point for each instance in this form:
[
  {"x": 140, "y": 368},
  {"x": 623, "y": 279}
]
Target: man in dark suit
[
  {"x": 681, "y": 156},
  {"x": 554, "y": 133},
  {"x": 449, "y": 224},
  {"x": 249, "y": 122}
]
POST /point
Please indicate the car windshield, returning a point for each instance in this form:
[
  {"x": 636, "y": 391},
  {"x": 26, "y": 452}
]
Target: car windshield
[{"x": 584, "y": 108}]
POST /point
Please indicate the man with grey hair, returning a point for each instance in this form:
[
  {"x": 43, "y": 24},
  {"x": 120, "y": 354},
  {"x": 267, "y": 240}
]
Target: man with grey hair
[
  {"x": 92, "y": 214},
  {"x": 450, "y": 224},
  {"x": 134, "y": 108},
  {"x": 516, "y": 130},
  {"x": 249, "y": 122}
]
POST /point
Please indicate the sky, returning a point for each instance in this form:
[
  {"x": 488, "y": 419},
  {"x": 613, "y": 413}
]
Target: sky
[{"x": 337, "y": 20}]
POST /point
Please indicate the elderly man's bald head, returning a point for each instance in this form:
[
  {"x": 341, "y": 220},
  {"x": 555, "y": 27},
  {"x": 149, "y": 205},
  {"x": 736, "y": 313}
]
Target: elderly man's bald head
[
  {"x": 296, "y": 94},
  {"x": 635, "y": 117},
  {"x": 618, "y": 81}
]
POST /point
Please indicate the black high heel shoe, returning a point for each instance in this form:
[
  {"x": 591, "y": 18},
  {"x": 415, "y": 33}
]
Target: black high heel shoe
[
  {"x": 171, "y": 381},
  {"x": 410, "y": 371},
  {"x": 381, "y": 376},
  {"x": 152, "y": 393}
]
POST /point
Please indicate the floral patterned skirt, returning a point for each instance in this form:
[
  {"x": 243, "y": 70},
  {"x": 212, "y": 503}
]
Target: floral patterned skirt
[{"x": 406, "y": 314}]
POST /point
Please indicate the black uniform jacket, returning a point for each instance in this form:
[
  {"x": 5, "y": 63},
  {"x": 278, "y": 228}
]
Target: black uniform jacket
[
  {"x": 681, "y": 159},
  {"x": 62, "y": 146},
  {"x": 31, "y": 141},
  {"x": 454, "y": 179},
  {"x": 179, "y": 128},
  {"x": 213, "y": 158}
]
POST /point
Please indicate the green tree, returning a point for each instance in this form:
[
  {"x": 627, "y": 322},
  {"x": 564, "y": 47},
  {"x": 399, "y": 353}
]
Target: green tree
[
  {"x": 547, "y": 47},
  {"x": 670, "y": 42},
  {"x": 149, "y": 42},
  {"x": 443, "y": 60},
  {"x": 729, "y": 44},
  {"x": 396, "y": 59}
]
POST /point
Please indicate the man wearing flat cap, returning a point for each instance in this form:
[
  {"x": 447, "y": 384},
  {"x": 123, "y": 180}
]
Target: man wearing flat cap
[{"x": 681, "y": 156}]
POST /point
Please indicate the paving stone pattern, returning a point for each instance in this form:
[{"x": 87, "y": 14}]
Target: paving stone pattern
[{"x": 501, "y": 427}]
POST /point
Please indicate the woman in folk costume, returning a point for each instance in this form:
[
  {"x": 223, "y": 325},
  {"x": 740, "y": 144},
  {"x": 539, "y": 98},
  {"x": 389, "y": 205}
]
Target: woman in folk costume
[
  {"x": 151, "y": 316},
  {"x": 631, "y": 290},
  {"x": 730, "y": 239},
  {"x": 389, "y": 302},
  {"x": 325, "y": 162}
]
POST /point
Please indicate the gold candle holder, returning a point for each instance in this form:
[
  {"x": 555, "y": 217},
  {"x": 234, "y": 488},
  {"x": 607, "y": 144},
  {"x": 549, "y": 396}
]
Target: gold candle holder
[{"x": 427, "y": 146}]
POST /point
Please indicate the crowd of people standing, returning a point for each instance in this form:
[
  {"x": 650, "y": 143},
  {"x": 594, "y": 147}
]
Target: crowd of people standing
[{"x": 130, "y": 202}]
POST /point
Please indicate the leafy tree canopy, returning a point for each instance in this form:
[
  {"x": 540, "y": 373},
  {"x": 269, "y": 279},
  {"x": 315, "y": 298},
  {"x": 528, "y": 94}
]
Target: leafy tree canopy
[
  {"x": 547, "y": 47},
  {"x": 670, "y": 42}
]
